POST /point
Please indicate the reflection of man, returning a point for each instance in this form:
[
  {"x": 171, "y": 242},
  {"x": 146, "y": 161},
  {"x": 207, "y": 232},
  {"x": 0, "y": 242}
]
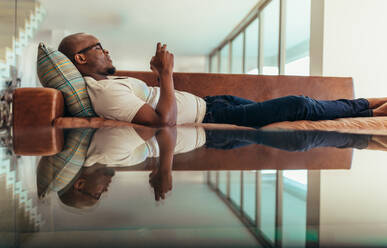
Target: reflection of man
[
  {"x": 113, "y": 149},
  {"x": 88, "y": 187},
  {"x": 77, "y": 186},
  {"x": 107, "y": 151},
  {"x": 129, "y": 99},
  {"x": 128, "y": 146}
]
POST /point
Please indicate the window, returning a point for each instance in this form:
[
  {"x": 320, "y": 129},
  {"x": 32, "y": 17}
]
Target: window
[
  {"x": 297, "y": 37},
  {"x": 268, "y": 204},
  {"x": 224, "y": 59},
  {"x": 249, "y": 194},
  {"x": 270, "y": 39},
  {"x": 237, "y": 54},
  {"x": 212, "y": 178},
  {"x": 294, "y": 214},
  {"x": 235, "y": 187},
  {"x": 256, "y": 198},
  {"x": 251, "y": 57},
  {"x": 223, "y": 181},
  {"x": 214, "y": 63}
]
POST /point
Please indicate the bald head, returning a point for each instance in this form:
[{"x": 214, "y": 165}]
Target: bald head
[
  {"x": 69, "y": 43},
  {"x": 86, "y": 190},
  {"x": 87, "y": 54}
]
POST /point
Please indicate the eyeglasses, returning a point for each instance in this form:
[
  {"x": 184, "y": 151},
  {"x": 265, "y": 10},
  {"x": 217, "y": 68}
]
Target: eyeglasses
[{"x": 90, "y": 47}]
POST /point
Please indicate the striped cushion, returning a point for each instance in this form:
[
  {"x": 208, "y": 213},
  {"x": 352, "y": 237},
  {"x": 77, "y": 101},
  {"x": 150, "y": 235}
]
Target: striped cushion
[
  {"x": 56, "y": 71},
  {"x": 56, "y": 172}
]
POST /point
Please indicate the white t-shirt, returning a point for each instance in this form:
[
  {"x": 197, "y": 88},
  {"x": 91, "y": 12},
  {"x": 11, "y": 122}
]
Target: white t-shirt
[
  {"x": 120, "y": 99},
  {"x": 122, "y": 146}
]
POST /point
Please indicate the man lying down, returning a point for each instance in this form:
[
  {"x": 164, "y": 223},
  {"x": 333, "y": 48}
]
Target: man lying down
[{"x": 129, "y": 99}]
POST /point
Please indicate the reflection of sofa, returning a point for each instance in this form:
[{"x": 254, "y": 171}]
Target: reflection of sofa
[{"x": 38, "y": 112}]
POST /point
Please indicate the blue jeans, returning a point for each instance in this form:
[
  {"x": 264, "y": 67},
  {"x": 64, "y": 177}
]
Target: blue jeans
[
  {"x": 238, "y": 111},
  {"x": 285, "y": 140}
]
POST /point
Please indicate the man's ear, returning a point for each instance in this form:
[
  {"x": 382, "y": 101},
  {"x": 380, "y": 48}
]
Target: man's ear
[
  {"x": 79, "y": 184},
  {"x": 80, "y": 58}
]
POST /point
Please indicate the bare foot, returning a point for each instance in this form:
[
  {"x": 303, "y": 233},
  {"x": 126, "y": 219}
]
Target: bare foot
[
  {"x": 376, "y": 102},
  {"x": 381, "y": 110}
]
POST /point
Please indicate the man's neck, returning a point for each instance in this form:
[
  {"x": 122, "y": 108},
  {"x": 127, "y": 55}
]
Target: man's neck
[{"x": 95, "y": 76}]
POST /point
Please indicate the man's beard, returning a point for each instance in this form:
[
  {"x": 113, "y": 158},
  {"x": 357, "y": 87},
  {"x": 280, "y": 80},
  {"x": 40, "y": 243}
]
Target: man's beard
[{"x": 111, "y": 70}]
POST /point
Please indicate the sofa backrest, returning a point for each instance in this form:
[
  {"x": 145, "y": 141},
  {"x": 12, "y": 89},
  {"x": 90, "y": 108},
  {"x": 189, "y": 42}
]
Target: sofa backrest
[{"x": 254, "y": 87}]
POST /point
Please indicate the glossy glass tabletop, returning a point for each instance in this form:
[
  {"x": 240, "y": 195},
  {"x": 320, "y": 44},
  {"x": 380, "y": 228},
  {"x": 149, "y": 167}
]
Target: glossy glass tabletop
[{"x": 192, "y": 186}]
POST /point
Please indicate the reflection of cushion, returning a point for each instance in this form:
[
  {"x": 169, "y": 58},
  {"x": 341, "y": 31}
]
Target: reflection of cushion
[
  {"x": 56, "y": 71},
  {"x": 56, "y": 172}
]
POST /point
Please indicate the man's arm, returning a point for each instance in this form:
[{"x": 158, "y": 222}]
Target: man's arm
[
  {"x": 166, "y": 110},
  {"x": 161, "y": 176},
  {"x": 145, "y": 132}
]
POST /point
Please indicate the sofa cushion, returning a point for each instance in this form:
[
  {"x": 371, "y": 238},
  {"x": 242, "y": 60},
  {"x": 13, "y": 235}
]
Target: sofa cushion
[{"x": 56, "y": 71}]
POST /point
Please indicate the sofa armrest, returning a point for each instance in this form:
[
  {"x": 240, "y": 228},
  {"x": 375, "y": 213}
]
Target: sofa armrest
[{"x": 34, "y": 111}]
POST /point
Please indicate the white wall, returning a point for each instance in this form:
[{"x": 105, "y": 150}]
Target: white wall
[
  {"x": 355, "y": 44},
  {"x": 353, "y": 203},
  {"x": 349, "y": 38},
  {"x": 27, "y": 60},
  {"x": 181, "y": 63}
]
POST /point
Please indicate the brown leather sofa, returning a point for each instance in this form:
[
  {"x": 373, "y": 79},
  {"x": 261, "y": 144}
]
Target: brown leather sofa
[{"x": 38, "y": 119}]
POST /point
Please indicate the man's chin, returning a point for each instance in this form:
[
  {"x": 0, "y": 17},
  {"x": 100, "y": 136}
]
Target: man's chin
[{"x": 111, "y": 70}]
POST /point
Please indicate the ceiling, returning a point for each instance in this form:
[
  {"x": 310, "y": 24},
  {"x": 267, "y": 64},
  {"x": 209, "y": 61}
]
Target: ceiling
[{"x": 189, "y": 27}]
